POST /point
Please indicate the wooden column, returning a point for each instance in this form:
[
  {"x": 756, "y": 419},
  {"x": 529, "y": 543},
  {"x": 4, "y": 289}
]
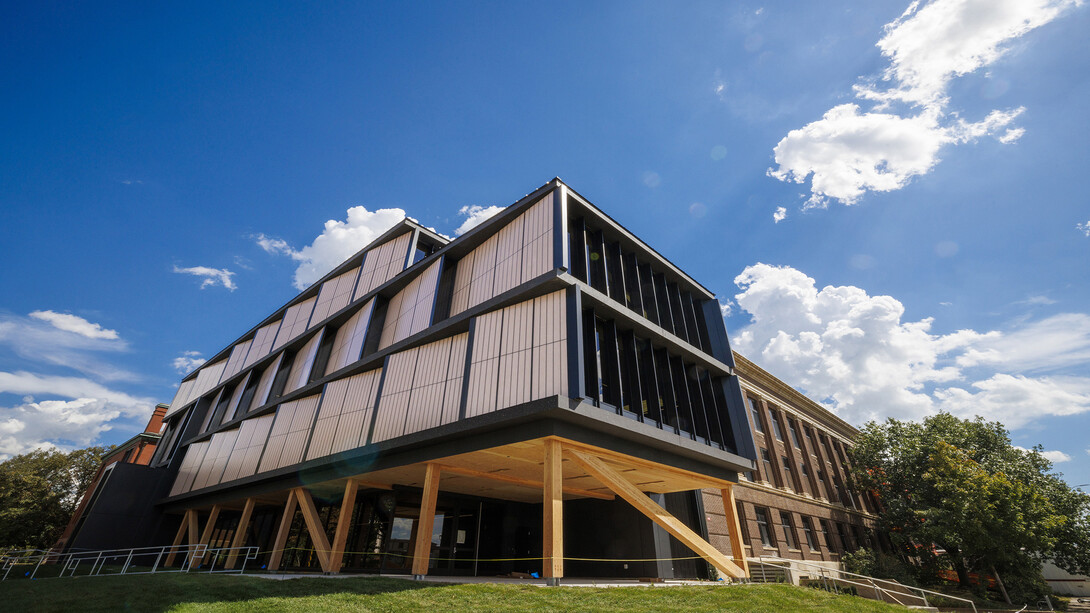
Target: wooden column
[
  {"x": 422, "y": 548},
  {"x": 187, "y": 520},
  {"x": 553, "y": 514},
  {"x": 240, "y": 533},
  {"x": 734, "y": 528},
  {"x": 344, "y": 519},
  {"x": 600, "y": 470},
  {"x": 209, "y": 526},
  {"x": 282, "y": 531},
  {"x": 314, "y": 527}
]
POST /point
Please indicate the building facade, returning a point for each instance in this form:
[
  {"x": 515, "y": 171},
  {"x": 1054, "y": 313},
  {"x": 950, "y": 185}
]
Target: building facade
[
  {"x": 545, "y": 393},
  {"x": 796, "y": 503}
]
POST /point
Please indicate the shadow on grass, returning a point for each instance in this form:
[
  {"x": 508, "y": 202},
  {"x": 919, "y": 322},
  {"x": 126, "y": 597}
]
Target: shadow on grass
[{"x": 159, "y": 593}]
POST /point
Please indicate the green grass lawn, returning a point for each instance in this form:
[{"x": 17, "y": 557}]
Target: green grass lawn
[{"x": 195, "y": 592}]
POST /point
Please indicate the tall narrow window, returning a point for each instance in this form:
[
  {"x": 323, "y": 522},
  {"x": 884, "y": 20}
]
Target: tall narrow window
[
  {"x": 826, "y": 535},
  {"x": 788, "y": 473},
  {"x": 768, "y": 468},
  {"x": 776, "y": 430},
  {"x": 794, "y": 434},
  {"x": 844, "y": 542},
  {"x": 755, "y": 412},
  {"x": 762, "y": 526},
  {"x": 788, "y": 529},
  {"x": 808, "y": 531}
]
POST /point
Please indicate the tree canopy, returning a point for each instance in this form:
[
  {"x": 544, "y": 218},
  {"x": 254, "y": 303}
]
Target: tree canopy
[
  {"x": 40, "y": 490},
  {"x": 962, "y": 486}
]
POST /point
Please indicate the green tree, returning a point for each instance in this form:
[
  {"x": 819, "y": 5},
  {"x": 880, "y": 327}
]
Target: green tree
[
  {"x": 960, "y": 485},
  {"x": 40, "y": 490}
]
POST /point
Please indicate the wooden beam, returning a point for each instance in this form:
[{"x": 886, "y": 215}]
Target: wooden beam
[
  {"x": 470, "y": 472},
  {"x": 209, "y": 526},
  {"x": 422, "y": 547},
  {"x": 183, "y": 528},
  {"x": 734, "y": 528},
  {"x": 314, "y": 526},
  {"x": 344, "y": 520},
  {"x": 611, "y": 478},
  {"x": 240, "y": 533},
  {"x": 194, "y": 531},
  {"x": 373, "y": 485},
  {"x": 282, "y": 532},
  {"x": 613, "y": 456},
  {"x": 553, "y": 512}
]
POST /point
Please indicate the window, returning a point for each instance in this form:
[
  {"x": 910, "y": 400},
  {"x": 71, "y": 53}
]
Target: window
[
  {"x": 808, "y": 531},
  {"x": 802, "y": 467},
  {"x": 788, "y": 529},
  {"x": 825, "y": 535},
  {"x": 794, "y": 434},
  {"x": 768, "y": 465},
  {"x": 762, "y": 526},
  {"x": 787, "y": 472},
  {"x": 776, "y": 426},
  {"x": 844, "y": 542},
  {"x": 749, "y": 476},
  {"x": 755, "y": 411}
]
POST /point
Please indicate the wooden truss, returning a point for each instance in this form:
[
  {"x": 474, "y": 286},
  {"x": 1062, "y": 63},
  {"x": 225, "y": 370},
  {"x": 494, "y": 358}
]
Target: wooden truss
[{"x": 548, "y": 470}]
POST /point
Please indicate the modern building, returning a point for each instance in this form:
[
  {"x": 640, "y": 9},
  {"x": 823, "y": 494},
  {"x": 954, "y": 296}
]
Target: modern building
[
  {"x": 116, "y": 508},
  {"x": 545, "y": 393}
]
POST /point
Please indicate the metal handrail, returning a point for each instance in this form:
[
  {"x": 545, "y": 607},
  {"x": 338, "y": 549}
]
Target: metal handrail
[
  {"x": 825, "y": 572},
  {"x": 193, "y": 555}
]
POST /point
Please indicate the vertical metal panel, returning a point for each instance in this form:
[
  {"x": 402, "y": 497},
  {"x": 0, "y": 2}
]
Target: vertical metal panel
[
  {"x": 463, "y": 275},
  {"x": 232, "y": 406},
  {"x": 304, "y": 361},
  {"x": 334, "y": 296},
  {"x": 484, "y": 365},
  {"x": 509, "y": 243},
  {"x": 390, "y": 419},
  {"x": 181, "y": 398},
  {"x": 262, "y": 345},
  {"x": 238, "y": 357},
  {"x": 515, "y": 343},
  {"x": 207, "y": 378},
  {"x": 539, "y": 238},
  {"x": 550, "y": 370},
  {"x": 456, "y": 364},
  {"x": 264, "y": 385},
  {"x": 325, "y": 427},
  {"x": 359, "y": 404},
  {"x": 194, "y": 455},
  {"x": 484, "y": 271},
  {"x": 348, "y": 343},
  {"x": 295, "y": 322}
]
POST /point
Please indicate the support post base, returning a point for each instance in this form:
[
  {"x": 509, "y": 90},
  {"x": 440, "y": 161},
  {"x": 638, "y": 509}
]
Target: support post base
[
  {"x": 553, "y": 582},
  {"x": 419, "y": 577}
]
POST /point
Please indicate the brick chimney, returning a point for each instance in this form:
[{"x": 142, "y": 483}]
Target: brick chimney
[{"x": 155, "y": 424}]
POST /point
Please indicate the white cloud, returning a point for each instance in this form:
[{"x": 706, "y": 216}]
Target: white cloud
[
  {"x": 211, "y": 276},
  {"x": 726, "y": 308},
  {"x": 1052, "y": 456},
  {"x": 1037, "y": 300},
  {"x": 84, "y": 411},
  {"x": 780, "y": 214},
  {"x": 188, "y": 362},
  {"x": 934, "y": 42},
  {"x": 36, "y": 339},
  {"x": 1055, "y": 342},
  {"x": 338, "y": 241},
  {"x": 849, "y": 152},
  {"x": 54, "y": 423},
  {"x": 855, "y": 353},
  {"x": 1084, "y": 228},
  {"x": 74, "y": 323},
  {"x": 475, "y": 216}
]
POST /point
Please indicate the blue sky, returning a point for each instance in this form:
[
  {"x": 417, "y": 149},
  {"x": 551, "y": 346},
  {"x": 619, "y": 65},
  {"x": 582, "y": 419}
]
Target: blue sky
[{"x": 887, "y": 198}]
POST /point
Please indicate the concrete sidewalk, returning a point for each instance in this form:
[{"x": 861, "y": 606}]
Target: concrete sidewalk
[{"x": 566, "y": 582}]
